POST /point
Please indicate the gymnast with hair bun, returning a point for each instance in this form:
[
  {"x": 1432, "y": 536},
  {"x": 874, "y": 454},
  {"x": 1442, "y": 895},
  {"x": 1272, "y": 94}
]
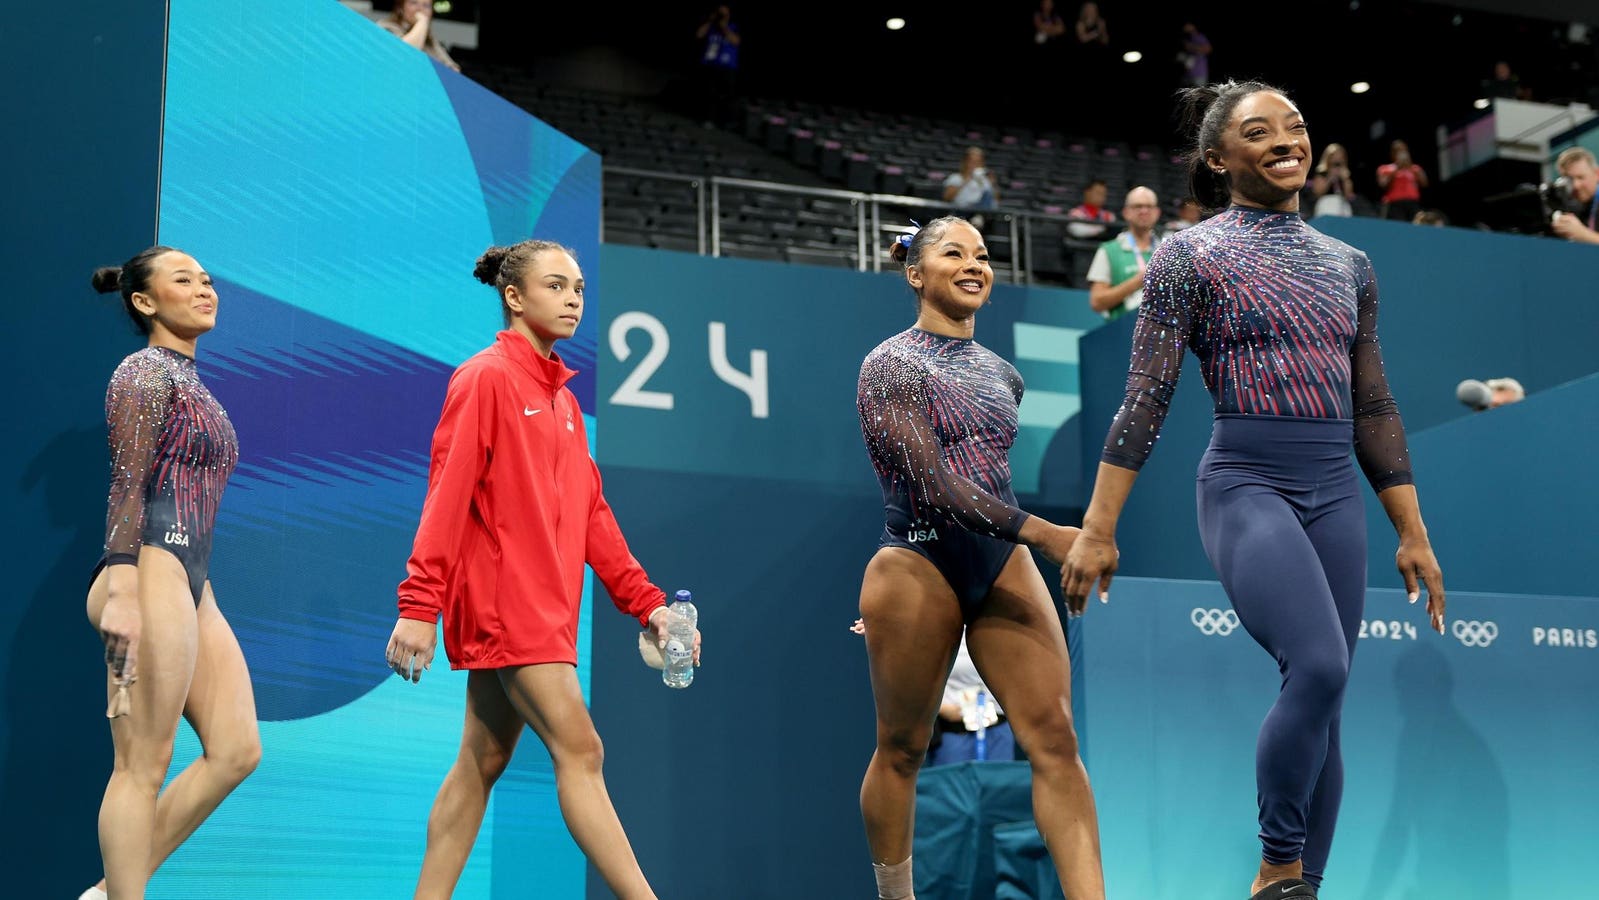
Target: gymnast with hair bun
[
  {"x": 168, "y": 650},
  {"x": 513, "y": 512},
  {"x": 939, "y": 414},
  {"x": 1283, "y": 321}
]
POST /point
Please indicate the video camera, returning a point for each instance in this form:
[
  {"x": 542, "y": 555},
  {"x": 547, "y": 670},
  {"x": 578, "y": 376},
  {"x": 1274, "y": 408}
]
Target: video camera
[{"x": 1530, "y": 208}]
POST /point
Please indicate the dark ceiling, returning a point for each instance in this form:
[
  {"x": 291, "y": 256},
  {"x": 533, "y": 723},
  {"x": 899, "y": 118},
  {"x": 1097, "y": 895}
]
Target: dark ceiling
[{"x": 972, "y": 61}]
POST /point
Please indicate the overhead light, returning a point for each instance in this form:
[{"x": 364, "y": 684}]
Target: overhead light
[
  {"x": 1482, "y": 103},
  {"x": 1360, "y": 87},
  {"x": 1132, "y": 56},
  {"x": 895, "y": 23}
]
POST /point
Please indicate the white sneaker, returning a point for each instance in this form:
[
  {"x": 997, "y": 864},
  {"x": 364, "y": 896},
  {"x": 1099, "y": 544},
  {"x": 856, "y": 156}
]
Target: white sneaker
[{"x": 92, "y": 893}]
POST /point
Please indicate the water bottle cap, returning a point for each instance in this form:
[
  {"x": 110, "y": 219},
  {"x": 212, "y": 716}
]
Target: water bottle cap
[{"x": 684, "y": 596}]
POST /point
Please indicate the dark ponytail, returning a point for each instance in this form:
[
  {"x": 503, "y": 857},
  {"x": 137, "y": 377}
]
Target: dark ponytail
[
  {"x": 1204, "y": 112},
  {"x": 132, "y": 277},
  {"x": 501, "y": 267}
]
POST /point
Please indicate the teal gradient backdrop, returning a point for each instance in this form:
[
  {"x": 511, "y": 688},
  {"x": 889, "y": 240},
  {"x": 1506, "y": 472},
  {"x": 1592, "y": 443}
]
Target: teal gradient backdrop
[{"x": 339, "y": 186}]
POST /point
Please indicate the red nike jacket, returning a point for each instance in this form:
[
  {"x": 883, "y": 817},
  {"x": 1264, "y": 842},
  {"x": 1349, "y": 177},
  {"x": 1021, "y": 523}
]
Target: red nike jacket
[{"x": 513, "y": 511}]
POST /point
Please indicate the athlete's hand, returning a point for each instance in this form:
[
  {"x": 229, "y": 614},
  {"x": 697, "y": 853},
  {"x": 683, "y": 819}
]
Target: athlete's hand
[
  {"x": 658, "y": 620},
  {"x": 411, "y": 647},
  {"x": 119, "y": 627},
  {"x": 1093, "y": 559},
  {"x": 1417, "y": 563}
]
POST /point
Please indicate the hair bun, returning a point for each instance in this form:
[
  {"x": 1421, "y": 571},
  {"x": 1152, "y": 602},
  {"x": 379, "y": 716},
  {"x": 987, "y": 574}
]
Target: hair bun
[
  {"x": 107, "y": 279},
  {"x": 488, "y": 265}
]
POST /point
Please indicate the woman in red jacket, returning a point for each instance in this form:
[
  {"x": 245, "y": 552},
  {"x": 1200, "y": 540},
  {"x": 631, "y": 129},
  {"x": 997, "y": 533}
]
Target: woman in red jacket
[{"x": 513, "y": 511}]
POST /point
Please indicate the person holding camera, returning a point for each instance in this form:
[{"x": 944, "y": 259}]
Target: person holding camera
[
  {"x": 1331, "y": 186},
  {"x": 1576, "y": 166},
  {"x": 719, "y": 46},
  {"x": 412, "y": 22},
  {"x": 1401, "y": 181},
  {"x": 972, "y": 187}
]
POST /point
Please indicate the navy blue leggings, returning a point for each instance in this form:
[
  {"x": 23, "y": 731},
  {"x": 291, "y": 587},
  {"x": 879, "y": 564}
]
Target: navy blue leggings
[{"x": 1282, "y": 521}]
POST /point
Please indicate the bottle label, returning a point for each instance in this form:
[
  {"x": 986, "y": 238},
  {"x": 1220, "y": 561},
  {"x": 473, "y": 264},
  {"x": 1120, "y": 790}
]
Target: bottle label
[{"x": 678, "y": 655}]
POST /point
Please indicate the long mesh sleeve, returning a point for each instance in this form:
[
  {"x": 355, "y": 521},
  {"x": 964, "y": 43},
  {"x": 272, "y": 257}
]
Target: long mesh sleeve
[
  {"x": 1379, "y": 434},
  {"x": 137, "y": 403},
  {"x": 897, "y": 422},
  {"x": 1171, "y": 296}
]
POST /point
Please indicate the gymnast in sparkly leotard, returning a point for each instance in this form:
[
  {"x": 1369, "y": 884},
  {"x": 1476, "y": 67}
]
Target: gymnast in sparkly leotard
[
  {"x": 938, "y": 412},
  {"x": 172, "y": 450},
  {"x": 1283, "y": 320},
  {"x": 169, "y": 652}
]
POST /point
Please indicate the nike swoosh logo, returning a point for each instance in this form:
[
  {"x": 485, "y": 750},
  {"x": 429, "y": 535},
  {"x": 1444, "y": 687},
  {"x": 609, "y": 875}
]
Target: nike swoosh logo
[{"x": 529, "y": 412}]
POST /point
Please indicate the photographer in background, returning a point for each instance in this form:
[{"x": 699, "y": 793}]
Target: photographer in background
[
  {"x": 1577, "y": 171},
  {"x": 412, "y": 22},
  {"x": 719, "y": 44},
  {"x": 972, "y": 187},
  {"x": 1402, "y": 182}
]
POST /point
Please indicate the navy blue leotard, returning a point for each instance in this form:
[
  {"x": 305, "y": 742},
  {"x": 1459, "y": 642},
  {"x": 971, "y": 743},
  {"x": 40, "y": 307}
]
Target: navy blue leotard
[
  {"x": 939, "y": 417},
  {"x": 1283, "y": 320},
  {"x": 172, "y": 450}
]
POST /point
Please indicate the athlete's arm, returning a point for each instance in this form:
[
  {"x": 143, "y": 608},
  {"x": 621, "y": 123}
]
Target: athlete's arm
[
  {"x": 138, "y": 402},
  {"x": 460, "y": 453},
  {"x": 1171, "y": 297},
  {"x": 1381, "y": 449}
]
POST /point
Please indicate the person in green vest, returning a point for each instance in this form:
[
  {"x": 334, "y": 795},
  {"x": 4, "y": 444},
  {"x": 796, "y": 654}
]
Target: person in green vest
[{"x": 1116, "y": 276}]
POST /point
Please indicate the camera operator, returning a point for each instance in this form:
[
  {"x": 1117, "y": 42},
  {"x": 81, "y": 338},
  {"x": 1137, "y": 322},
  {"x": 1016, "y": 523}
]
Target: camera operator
[{"x": 1579, "y": 174}]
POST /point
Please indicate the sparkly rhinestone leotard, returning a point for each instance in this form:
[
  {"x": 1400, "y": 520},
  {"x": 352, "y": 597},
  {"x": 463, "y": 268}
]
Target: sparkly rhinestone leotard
[
  {"x": 1283, "y": 320},
  {"x": 939, "y": 417},
  {"x": 172, "y": 450}
]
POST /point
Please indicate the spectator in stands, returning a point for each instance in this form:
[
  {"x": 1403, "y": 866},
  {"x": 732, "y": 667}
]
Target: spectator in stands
[
  {"x": 972, "y": 187},
  {"x": 1188, "y": 213},
  {"x": 1195, "y": 56},
  {"x": 412, "y": 22},
  {"x": 1091, "y": 27},
  {"x": 1430, "y": 217},
  {"x": 1093, "y": 208},
  {"x": 1401, "y": 181},
  {"x": 1504, "y": 84},
  {"x": 1116, "y": 276},
  {"x": 1576, "y": 165},
  {"x": 1331, "y": 185},
  {"x": 719, "y": 45},
  {"x": 1091, "y": 211},
  {"x": 1047, "y": 23}
]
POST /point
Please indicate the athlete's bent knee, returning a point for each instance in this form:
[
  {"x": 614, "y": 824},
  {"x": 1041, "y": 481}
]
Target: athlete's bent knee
[
  {"x": 904, "y": 750},
  {"x": 1323, "y": 677},
  {"x": 585, "y": 752},
  {"x": 235, "y": 760},
  {"x": 1047, "y": 735}
]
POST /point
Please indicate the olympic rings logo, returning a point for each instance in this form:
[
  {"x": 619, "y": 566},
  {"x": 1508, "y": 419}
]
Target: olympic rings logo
[
  {"x": 1214, "y": 621},
  {"x": 1475, "y": 634}
]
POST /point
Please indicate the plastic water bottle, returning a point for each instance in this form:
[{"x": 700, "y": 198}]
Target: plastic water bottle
[
  {"x": 681, "y": 620},
  {"x": 982, "y": 725}
]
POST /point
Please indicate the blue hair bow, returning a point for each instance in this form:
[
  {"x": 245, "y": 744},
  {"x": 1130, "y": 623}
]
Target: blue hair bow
[{"x": 904, "y": 240}]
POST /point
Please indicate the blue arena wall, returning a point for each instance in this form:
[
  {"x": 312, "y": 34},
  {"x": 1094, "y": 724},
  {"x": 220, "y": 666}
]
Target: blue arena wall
[{"x": 91, "y": 97}]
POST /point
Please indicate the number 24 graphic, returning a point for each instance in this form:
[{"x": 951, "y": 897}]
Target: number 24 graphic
[{"x": 631, "y": 391}]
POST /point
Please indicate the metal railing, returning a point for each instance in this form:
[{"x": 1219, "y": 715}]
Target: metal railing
[{"x": 870, "y": 227}]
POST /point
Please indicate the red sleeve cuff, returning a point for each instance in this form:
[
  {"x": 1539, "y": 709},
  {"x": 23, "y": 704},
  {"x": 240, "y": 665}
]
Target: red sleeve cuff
[
  {"x": 644, "y": 618},
  {"x": 419, "y": 613}
]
